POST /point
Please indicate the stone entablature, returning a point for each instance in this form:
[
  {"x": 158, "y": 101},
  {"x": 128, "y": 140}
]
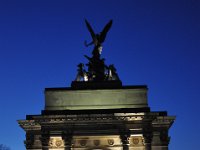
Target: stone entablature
[{"x": 98, "y": 131}]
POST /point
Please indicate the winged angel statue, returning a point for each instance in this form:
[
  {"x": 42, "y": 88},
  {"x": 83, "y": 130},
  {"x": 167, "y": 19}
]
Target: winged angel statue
[
  {"x": 97, "y": 70},
  {"x": 97, "y": 39}
]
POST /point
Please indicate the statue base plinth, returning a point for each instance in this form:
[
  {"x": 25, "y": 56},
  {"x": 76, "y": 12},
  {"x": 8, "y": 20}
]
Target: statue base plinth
[{"x": 113, "y": 84}]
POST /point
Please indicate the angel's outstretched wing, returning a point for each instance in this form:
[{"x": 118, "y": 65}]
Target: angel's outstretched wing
[
  {"x": 105, "y": 31},
  {"x": 90, "y": 30}
]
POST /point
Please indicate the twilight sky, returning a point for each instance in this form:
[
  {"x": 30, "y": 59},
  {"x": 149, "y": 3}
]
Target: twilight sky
[{"x": 152, "y": 42}]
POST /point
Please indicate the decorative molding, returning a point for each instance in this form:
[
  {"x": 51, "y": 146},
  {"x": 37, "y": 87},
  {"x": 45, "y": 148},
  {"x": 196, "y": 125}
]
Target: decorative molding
[
  {"x": 95, "y": 117},
  {"x": 96, "y": 142},
  {"x": 110, "y": 141},
  {"x": 56, "y": 142},
  {"x": 59, "y": 143},
  {"x": 136, "y": 141},
  {"x": 83, "y": 142}
]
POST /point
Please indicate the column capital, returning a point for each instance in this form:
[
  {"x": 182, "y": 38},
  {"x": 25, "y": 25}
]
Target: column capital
[
  {"x": 125, "y": 140},
  {"x": 147, "y": 139},
  {"x": 45, "y": 138},
  {"x": 67, "y": 137}
]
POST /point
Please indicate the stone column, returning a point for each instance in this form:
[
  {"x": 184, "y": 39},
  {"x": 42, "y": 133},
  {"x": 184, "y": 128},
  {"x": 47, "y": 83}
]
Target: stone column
[
  {"x": 164, "y": 138},
  {"x": 67, "y": 137},
  {"x": 29, "y": 142},
  {"x": 125, "y": 141},
  {"x": 45, "y": 137},
  {"x": 147, "y": 141}
]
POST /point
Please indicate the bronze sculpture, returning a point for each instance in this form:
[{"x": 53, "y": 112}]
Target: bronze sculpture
[
  {"x": 97, "y": 70},
  {"x": 97, "y": 39}
]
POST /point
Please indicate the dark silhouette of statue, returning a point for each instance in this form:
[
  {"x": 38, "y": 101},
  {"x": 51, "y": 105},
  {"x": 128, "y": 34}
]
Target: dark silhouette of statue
[
  {"x": 97, "y": 70},
  {"x": 97, "y": 39},
  {"x": 81, "y": 73},
  {"x": 96, "y": 66},
  {"x": 112, "y": 73}
]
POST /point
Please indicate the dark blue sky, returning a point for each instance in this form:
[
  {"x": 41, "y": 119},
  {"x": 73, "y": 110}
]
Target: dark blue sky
[{"x": 151, "y": 42}]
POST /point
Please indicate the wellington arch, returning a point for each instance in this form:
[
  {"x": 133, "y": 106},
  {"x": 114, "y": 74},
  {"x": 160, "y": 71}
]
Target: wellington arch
[{"x": 97, "y": 112}]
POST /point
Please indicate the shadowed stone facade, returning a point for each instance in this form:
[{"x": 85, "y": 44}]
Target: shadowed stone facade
[{"x": 102, "y": 119}]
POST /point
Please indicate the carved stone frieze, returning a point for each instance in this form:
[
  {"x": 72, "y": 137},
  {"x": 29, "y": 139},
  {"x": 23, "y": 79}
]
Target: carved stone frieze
[
  {"x": 96, "y": 142},
  {"x": 56, "y": 142},
  {"x": 83, "y": 142},
  {"x": 136, "y": 141},
  {"x": 110, "y": 141},
  {"x": 88, "y": 131}
]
